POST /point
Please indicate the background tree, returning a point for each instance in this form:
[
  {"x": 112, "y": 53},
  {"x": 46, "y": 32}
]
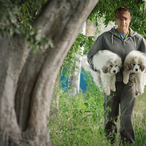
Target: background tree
[{"x": 35, "y": 38}]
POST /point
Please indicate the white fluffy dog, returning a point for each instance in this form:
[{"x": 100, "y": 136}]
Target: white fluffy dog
[
  {"x": 108, "y": 64},
  {"x": 135, "y": 62}
]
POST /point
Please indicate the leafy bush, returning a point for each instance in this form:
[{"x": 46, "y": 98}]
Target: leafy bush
[{"x": 79, "y": 120}]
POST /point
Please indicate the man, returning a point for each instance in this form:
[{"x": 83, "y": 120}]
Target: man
[{"x": 120, "y": 40}]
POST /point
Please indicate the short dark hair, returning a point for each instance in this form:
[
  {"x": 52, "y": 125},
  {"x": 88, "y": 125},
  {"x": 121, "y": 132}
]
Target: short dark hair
[
  {"x": 122, "y": 9},
  {"x": 122, "y": 12}
]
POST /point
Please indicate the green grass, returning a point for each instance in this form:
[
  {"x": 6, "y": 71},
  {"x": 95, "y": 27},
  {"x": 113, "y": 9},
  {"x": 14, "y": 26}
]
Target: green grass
[
  {"x": 139, "y": 120},
  {"x": 79, "y": 120}
]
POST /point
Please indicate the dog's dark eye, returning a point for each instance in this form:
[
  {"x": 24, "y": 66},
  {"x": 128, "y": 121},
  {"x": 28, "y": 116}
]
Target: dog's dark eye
[
  {"x": 111, "y": 66},
  {"x": 116, "y": 65},
  {"x": 133, "y": 64}
]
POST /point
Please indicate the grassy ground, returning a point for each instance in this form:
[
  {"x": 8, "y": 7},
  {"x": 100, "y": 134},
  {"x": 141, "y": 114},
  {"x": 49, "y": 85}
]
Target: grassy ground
[
  {"x": 78, "y": 121},
  {"x": 140, "y": 120}
]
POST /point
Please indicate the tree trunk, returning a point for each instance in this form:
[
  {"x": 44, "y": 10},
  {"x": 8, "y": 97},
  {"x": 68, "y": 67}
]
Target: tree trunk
[{"x": 27, "y": 79}]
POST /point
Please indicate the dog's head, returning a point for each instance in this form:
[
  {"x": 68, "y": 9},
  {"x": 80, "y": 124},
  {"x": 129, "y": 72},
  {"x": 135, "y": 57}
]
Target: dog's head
[
  {"x": 135, "y": 64},
  {"x": 112, "y": 67}
]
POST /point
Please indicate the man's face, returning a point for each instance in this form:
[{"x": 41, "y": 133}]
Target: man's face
[{"x": 123, "y": 24}]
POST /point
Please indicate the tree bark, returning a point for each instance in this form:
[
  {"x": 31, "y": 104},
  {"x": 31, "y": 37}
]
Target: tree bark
[{"x": 28, "y": 79}]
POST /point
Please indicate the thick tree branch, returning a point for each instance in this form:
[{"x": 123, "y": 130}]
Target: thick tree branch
[{"x": 66, "y": 31}]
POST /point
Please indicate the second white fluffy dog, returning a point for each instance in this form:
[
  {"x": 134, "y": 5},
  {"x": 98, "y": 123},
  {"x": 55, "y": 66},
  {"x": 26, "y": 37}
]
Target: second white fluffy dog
[{"x": 135, "y": 62}]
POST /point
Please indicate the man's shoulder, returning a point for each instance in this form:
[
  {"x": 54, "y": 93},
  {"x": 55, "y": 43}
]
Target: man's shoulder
[
  {"x": 135, "y": 34},
  {"x": 139, "y": 37}
]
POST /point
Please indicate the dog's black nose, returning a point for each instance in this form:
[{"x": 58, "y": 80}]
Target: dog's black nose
[
  {"x": 136, "y": 69},
  {"x": 114, "y": 71}
]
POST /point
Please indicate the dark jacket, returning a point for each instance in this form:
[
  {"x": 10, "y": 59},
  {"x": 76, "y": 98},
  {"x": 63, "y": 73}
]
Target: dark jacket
[{"x": 110, "y": 40}]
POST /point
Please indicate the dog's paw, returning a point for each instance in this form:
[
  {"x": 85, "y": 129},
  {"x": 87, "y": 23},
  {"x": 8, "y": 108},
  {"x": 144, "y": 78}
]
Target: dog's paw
[
  {"x": 136, "y": 93},
  {"x": 113, "y": 88},
  {"x": 107, "y": 92},
  {"x": 125, "y": 81},
  {"x": 140, "y": 91}
]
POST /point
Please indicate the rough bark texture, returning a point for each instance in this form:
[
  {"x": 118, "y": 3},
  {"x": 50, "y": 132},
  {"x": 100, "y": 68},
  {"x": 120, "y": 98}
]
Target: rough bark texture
[{"x": 27, "y": 79}]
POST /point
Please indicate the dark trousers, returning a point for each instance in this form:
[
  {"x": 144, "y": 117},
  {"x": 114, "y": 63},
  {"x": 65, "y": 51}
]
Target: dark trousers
[{"x": 125, "y": 97}]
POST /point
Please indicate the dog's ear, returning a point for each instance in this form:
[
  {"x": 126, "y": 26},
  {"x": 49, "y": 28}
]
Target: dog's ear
[
  {"x": 142, "y": 67},
  {"x": 141, "y": 62},
  {"x": 128, "y": 66},
  {"x": 119, "y": 63},
  {"x": 105, "y": 69}
]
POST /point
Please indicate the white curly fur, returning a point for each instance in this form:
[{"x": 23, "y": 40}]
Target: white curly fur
[
  {"x": 135, "y": 62},
  {"x": 108, "y": 64}
]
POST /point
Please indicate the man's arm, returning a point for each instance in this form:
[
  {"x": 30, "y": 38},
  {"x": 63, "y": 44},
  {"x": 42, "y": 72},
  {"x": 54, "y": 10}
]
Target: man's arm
[
  {"x": 93, "y": 50},
  {"x": 142, "y": 46}
]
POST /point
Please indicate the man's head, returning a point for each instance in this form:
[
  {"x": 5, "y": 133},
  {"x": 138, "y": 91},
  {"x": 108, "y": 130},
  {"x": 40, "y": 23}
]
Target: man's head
[{"x": 123, "y": 19}]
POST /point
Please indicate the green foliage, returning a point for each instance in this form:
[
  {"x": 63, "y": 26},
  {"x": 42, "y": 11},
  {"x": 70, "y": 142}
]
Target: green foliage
[
  {"x": 107, "y": 8},
  {"x": 140, "y": 120},
  {"x": 70, "y": 60},
  {"x": 138, "y": 22},
  {"x": 79, "y": 120},
  {"x": 17, "y": 18},
  {"x": 28, "y": 12},
  {"x": 8, "y": 17},
  {"x": 38, "y": 41}
]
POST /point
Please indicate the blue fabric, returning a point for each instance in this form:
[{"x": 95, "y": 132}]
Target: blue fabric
[{"x": 122, "y": 35}]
